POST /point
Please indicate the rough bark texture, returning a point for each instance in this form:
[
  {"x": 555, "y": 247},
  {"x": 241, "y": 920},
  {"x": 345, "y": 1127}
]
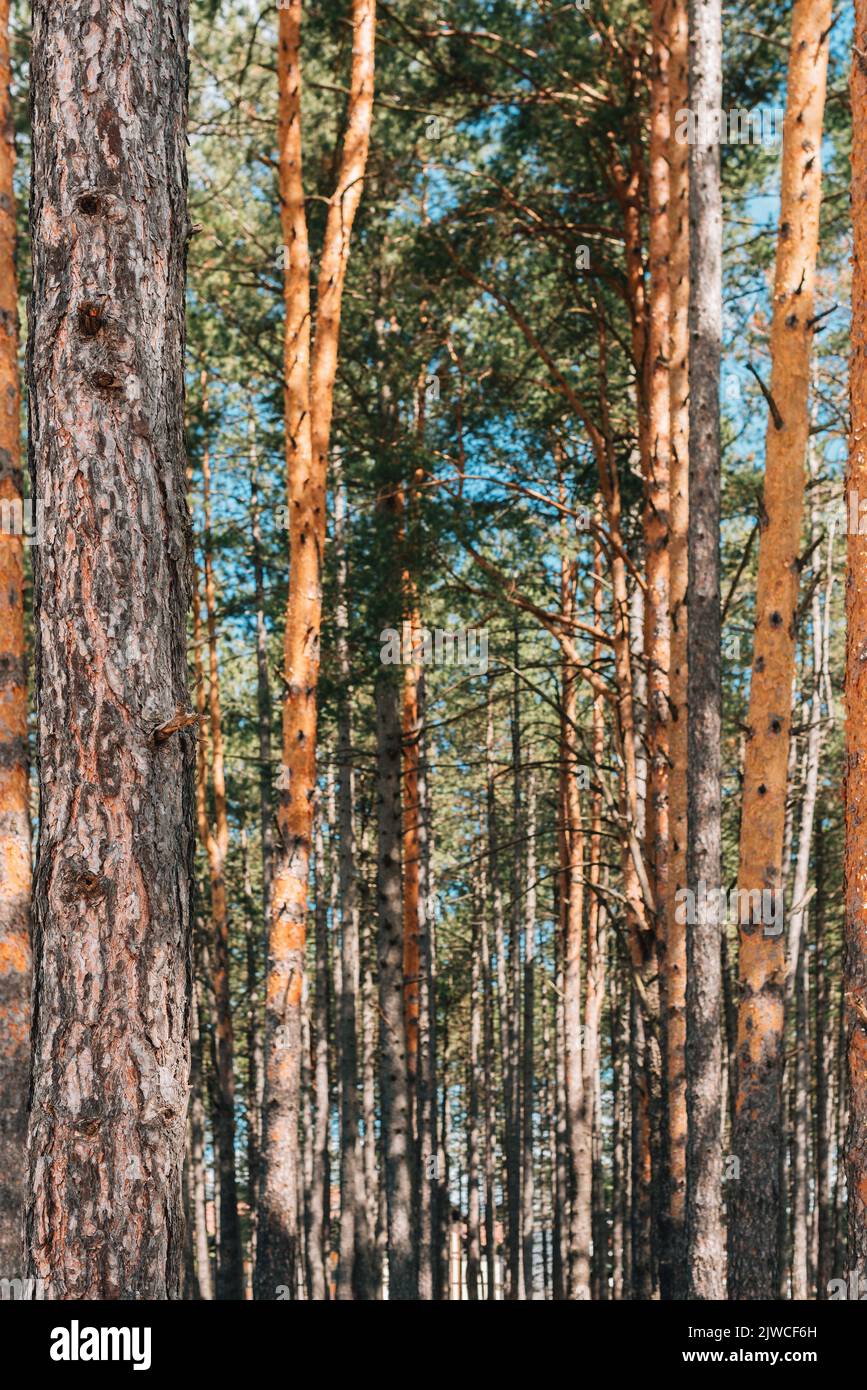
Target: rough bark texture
[
  {"x": 657, "y": 617},
  {"x": 309, "y": 397},
  {"x": 113, "y": 875},
  {"x": 706, "y": 1251},
  {"x": 855, "y": 979},
  {"x": 753, "y": 1253},
  {"x": 14, "y": 785},
  {"x": 675, "y": 943}
]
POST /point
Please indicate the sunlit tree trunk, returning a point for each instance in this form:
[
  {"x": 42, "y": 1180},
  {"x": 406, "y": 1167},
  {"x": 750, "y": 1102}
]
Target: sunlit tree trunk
[
  {"x": 309, "y": 398},
  {"x": 753, "y": 1253},
  {"x": 657, "y": 614}
]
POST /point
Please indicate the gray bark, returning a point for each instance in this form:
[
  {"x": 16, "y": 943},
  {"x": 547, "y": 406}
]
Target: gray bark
[{"x": 705, "y": 1244}]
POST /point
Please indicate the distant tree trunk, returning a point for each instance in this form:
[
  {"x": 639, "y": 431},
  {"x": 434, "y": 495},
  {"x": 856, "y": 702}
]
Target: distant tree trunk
[
  {"x": 490, "y": 1100},
  {"x": 571, "y": 837},
  {"x": 508, "y": 1061},
  {"x": 309, "y": 402},
  {"x": 374, "y": 1190},
  {"x": 394, "y": 1074},
  {"x": 705, "y": 1243},
  {"x": 855, "y": 968},
  {"x": 515, "y": 1285},
  {"x": 115, "y": 861},
  {"x": 528, "y": 1220},
  {"x": 753, "y": 1253},
  {"x": 14, "y": 778},
  {"x": 254, "y": 1052},
  {"x": 198, "y": 1196},
  {"x": 426, "y": 1072},
  {"x": 620, "y": 1167},
  {"x": 678, "y": 747},
  {"x": 474, "y": 1073},
  {"x": 263, "y": 692},
  {"x": 411, "y": 850},
  {"x": 595, "y": 990},
  {"x": 230, "y": 1271},
  {"x": 354, "y": 1270},
  {"x": 824, "y": 1077}
]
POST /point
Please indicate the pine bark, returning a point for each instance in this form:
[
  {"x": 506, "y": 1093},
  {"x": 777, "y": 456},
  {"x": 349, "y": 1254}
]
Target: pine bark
[
  {"x": 753, "y": 1253},
  {"x": 15, "y": 961},
  {"x": 705, "y": 1244},
  {"x": 855, "y": 965},
  {"x": 675, "y": 943},
  {"x": 309, "y": 399},
  {"x": 113, "y": 876}
]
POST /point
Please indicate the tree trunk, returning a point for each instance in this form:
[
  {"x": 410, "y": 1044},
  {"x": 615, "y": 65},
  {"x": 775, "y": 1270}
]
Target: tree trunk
[
  {"x": 753, "y": 1253},
  {"x": 528, "y": 1222},
  {"x": 657, "y": 615},
  {"x": 309, "y": 398},
  {"x": 198, "y": 1202},
  {"x": 14, "y": 775},
  {"x": 354, "y": 1270},
  {"x": 705, "y": 1244},
  {"x": 116, "y": 837},
  {"x": 474, "y": 1068},
  {"x": 230, "y": 1272},
  {"x": 678, "y": 376},
  {"x": 394, "y": 1072},
  {"x": 855, "y": 968}
]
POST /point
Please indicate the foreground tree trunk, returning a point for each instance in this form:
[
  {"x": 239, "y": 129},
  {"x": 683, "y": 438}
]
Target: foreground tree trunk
[
  {"x": 753, "y": 1251},
  {"x": 14, "y": 788},
  {"x": 705, "y": 1244},
  {"x": 855, "y": 969},
  {"x": 675, "y": 943},
  {"x": 309, "y": 395},
  {"x": 113, "y": 876}
]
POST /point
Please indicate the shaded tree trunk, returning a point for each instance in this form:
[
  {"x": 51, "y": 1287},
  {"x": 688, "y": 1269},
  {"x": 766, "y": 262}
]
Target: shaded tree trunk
[{"x": 394, "y": 1072}]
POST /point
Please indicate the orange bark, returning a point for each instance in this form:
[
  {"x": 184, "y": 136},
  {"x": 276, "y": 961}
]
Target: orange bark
[
  {"x": 309, "y": 396},
  {"x": 14, "y": 790},
  {"x": 675, "y": 944},
  {"x": 762, "y": 953}
]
